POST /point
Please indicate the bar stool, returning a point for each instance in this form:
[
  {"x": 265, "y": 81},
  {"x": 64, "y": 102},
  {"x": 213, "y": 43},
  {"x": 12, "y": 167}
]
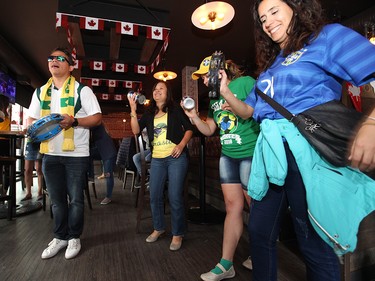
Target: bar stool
[{"x": 9, "y": 162}]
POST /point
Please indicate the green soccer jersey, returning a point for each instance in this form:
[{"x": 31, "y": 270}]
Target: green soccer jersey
[{"x": 237, "y": 136}]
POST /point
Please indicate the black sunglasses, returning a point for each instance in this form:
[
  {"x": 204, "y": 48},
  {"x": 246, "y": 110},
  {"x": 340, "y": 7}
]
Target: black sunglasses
[{"x": 58, "y": 58}]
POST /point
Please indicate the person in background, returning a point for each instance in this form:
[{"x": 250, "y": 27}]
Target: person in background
[
  {"x": 108, "y": 153},
  {"x": 33, "y": 159},
  {"x": 4, "y": 143},
  {"x": 66, "y": 156},
  {"x": 169, "y": 130},
  {"x": 302, "y": 62},
  {"x": 137, "y": 157},
  {"x": 238, "y": 137}
]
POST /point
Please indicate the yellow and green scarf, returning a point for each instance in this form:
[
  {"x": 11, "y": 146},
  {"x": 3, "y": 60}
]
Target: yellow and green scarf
[{"x": 67, "y": 106}]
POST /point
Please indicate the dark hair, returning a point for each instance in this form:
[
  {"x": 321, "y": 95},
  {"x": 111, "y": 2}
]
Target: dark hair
[
  {"x": 4, "y": 104},
  {"x": 66, "y": 52},
  {"x": 169, "y": 102},
  {"x": 304, "y": 27},
  {"x": 233, "y": 70}
]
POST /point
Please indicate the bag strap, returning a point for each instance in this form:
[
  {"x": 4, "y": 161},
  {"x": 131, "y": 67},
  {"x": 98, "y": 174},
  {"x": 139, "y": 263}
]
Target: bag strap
[{"x": 275, "y": 105}]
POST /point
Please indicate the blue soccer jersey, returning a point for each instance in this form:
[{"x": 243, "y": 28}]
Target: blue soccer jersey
[{"x": 314, "y": 74}]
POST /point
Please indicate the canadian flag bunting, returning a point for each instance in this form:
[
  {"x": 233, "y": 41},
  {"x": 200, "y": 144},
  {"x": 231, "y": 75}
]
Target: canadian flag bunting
[
  {"x": 119, "y": 67},
  {"x": 141, "y": 69},
  {"x": 95, "y": 82},
  {"x": 112, "y": 83},
  {"x": 105, "y": 97},
  {"x": 97, "y": 65},
  {"x": 155, "y": 32},
  {"x": 61, "y": 20},
  {"x": 77, "y": 64},
  {"x": 128, "y": 84},
  {"x": 118, "y": 97},
  {"x": 152, "y": 67},
  {"x": 166, "y": 42},
  {"x": 127, "y": 28},
  {"x": 91, "y": 23}
]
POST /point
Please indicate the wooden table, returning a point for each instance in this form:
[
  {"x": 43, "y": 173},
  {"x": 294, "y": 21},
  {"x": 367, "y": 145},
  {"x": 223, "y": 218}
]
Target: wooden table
[{"x": 27, "y": 207}]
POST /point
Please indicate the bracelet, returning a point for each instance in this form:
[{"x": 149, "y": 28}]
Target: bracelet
[
  {"x": 132, "y": 115},
  {"x": 371, "y": 118}
]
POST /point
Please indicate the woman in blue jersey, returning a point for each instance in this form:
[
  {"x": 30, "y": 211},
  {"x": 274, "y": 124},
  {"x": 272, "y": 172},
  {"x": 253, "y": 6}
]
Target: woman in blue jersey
[
  {"x": 302, "y": 62},
  {"x": 237, "y": 137}
]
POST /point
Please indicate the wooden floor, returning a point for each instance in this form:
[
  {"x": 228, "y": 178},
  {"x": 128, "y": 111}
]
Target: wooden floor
[{"x": 111, "y": 250}]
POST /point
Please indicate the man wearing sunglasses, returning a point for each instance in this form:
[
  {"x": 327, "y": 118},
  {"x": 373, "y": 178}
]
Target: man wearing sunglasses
[{"x": 65, "y": 161}]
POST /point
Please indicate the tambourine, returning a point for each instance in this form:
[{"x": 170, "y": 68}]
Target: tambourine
[
  {"x": 45, "y": 128},
  {"x": 217, "y": 62}
]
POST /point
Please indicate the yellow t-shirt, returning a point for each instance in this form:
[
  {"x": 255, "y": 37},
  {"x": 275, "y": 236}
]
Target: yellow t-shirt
[{"x": 161, "y": 146}]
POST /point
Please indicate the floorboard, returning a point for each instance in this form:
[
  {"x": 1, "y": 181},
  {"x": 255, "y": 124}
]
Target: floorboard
[{"x": 111, "y": 249}]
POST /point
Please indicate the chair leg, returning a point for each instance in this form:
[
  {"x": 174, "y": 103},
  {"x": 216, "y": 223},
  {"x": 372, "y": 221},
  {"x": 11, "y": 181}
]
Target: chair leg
[
  {"x": 94, "y": 189},
  {"x": 87, "y": 191}
]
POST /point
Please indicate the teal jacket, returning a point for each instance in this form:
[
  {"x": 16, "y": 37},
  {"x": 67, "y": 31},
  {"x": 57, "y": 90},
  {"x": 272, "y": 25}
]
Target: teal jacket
[{"x": 337, "y": 198}]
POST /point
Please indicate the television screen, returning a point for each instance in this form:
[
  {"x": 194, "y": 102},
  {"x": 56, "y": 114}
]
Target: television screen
[{"x": 8, "y": 87}]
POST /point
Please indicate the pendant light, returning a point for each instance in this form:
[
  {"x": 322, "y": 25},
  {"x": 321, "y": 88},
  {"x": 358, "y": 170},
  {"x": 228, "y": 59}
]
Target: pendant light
[
  {"x": 212, "y": 15},
  {"x": 165, "y": 75}
]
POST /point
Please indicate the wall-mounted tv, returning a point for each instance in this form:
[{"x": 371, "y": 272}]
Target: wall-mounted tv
[{"x": 8, "y": 86}]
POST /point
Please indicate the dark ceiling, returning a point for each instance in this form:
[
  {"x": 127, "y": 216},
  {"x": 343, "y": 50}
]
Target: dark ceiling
[{"x": 28, "y": 34}]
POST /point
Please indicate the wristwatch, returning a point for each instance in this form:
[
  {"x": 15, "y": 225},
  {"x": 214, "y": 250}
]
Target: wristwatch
[{"x": 75, "y": 122}]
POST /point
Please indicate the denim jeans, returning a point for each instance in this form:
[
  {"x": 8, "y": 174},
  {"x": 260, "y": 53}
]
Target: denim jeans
[
  {"x": 65, "y": 179},
  {"x": 173, "y": 169},
  {"x": 235, "y": 170},
  {"x": 108, "y": 167},
  {"x": 137, "y": 160},
  {"x": 264, "y": 226}
]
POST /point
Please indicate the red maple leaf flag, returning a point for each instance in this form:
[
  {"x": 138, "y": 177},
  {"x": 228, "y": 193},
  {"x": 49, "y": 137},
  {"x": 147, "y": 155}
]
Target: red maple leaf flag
[
  {"x": 142, "y": 69},
  {"x": 127, "y": 28},
  {"x": 118, "y": 97},
  {"x": 91, "y": 23},
  {"x": 112, "y": 83},
  {"x": 97, "y": 65},
  {"x": 77, "y": 64},
  {"x": 128, "y": 84},
  {"x": 61, "y": 20},
  {"x": 105, "y": 96},
  {"x": 119, "y": 67},
  {"x": 156, "y": 32},
  {"x": 95, "y": 82}
]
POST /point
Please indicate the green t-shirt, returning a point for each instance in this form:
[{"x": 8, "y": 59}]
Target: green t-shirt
[{"x": 237, "y": 136}]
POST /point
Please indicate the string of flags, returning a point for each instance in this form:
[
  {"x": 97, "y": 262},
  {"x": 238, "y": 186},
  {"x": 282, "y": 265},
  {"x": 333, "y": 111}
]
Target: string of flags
[
  {"x": 123, "y": 28},
  {"x": 112, "y": 83}
]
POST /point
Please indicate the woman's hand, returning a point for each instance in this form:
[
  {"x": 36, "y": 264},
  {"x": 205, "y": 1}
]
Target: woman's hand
[
  {"x": 132, "y": 102},
  {"x": 178, "y": 149},
  {"x": 362, "y": 154}
]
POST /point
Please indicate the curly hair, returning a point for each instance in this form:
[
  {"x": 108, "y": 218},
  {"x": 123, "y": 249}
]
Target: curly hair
[
  {"x": 233, "y": 70},
  {"x": 168, "y": 103},
  {"x": 305, "y": 25}
]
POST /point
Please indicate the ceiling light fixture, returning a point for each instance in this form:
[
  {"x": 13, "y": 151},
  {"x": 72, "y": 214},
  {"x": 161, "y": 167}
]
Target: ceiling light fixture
[
  {"x": 212, "y": 15},
  {"x": 165, "y": 75}
]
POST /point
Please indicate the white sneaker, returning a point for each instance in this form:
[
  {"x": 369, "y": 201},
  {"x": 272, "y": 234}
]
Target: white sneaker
[
  {"x": 248, "y": 263},
  {"x": 53, "y": 248},
  {"x": 227, "y": 274},
  {"x": 74, "y": 246}
]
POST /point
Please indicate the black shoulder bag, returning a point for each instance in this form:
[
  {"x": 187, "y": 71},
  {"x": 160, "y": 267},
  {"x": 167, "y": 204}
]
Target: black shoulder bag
[{"x": 329, "y": 127}]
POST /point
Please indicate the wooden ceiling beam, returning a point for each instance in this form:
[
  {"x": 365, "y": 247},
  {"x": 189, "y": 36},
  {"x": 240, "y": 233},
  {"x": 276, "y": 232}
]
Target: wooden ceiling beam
[
  {"x": 77, "y": 39},
  {"x": 114, "y": 45},
  {"x": 147, "y": 50}
]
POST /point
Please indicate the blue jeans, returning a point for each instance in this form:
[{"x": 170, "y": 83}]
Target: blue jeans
[
  {"x": 264, "y": 226},
  {"x": 173, "y": 169},
  {"x": 65, "y": 179},
  {"x": 137, "y": 160},
  {"x": 108, "y": 167}
]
